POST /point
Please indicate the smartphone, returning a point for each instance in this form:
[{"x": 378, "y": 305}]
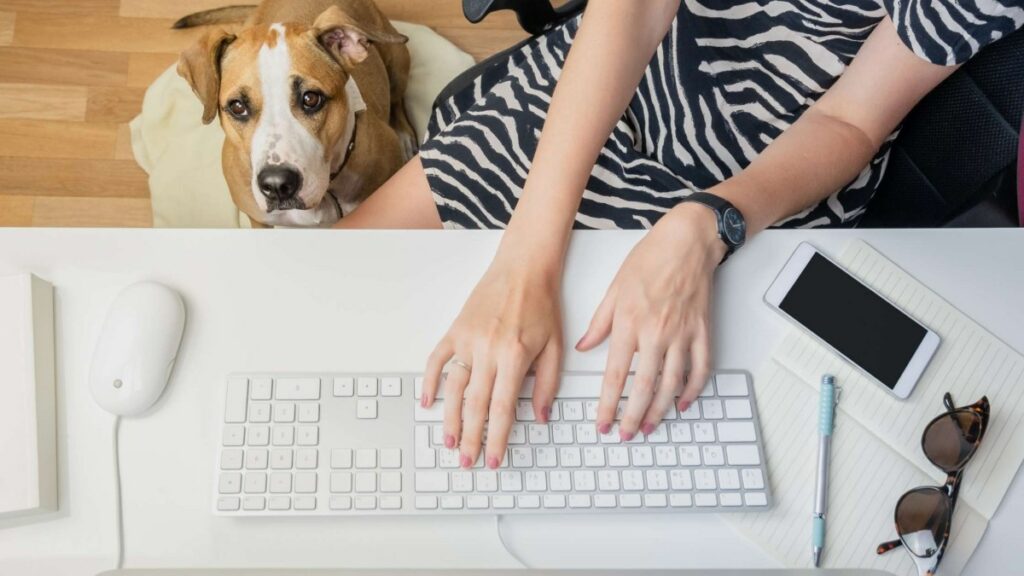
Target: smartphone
[{"x": 853, "y": 320}]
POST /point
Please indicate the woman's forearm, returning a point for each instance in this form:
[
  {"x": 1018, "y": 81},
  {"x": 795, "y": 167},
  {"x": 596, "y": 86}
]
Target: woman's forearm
[{"x": 610, "y": 52}]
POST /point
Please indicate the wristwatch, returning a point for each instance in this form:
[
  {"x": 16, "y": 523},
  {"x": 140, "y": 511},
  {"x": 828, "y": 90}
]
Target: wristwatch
[{"x": 732, "y": 227}]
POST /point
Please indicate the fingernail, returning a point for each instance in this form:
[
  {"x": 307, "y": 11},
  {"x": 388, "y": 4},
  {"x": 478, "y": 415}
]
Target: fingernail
[
  {"x": 424, "y": 401},
  {"x": 626, "y": 436},
  {"x": 545, "y": 414},
  {"x": 464, "y": 461},
  {"x": 492, "y": 462},
  {"x": 580, "y": 341},
  {"x": 449, "y": 441},
  {"x": 604, "y": 428},
  {"x": 647, "y": 429},
  {"x": 684, "y": 405}
]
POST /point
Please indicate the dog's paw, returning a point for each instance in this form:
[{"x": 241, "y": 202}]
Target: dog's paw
[{"x": 409, "y": 147}]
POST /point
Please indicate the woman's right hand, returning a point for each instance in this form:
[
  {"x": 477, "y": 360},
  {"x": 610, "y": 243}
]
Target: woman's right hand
[{"x": 511, "y": 321}]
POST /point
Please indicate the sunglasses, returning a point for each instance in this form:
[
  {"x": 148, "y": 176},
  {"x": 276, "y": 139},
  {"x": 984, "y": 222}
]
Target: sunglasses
[{"x": 924, "y": 515}]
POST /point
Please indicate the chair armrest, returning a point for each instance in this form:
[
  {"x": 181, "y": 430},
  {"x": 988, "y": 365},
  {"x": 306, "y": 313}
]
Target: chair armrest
[{"x": 535, "y": 16}]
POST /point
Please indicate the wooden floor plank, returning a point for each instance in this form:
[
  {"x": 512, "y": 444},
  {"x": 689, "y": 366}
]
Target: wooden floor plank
[
  {"x": 16, "y": 210},
  {"x": 102, "y": 33},
  {"x": 123, "y": 143},
  {"x": 114, "y": 104},
  {"x": 76, "y": 67},
  {"x": 72, "y": 177},
  {"x": 67, "y": 7},
  {"x": 6, "y": 28},
  {"x": 93, "y": 212},
  {"x": 143, "y": 69},
  {"x": 54, "y": 139},
  {"x": 40, "y": 102}
]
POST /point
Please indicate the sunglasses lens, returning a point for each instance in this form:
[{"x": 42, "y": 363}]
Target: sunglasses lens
[
  {"x": 950, "y": 439},
  {"x": 922, "y": 519}
]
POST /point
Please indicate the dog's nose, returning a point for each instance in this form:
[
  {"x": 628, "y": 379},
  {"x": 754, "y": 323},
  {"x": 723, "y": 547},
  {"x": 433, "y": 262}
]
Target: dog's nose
[{"x": 279, "y": 182}]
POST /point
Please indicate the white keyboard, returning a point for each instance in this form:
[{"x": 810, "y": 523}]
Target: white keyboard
[{"x": 357, "y": 444}]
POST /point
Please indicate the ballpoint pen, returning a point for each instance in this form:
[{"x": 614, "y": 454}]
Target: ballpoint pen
[{"x": 826, "y": 415}]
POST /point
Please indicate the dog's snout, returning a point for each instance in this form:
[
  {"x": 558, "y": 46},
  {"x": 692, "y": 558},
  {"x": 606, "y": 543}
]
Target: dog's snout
[{"x": 279, "y": 182}]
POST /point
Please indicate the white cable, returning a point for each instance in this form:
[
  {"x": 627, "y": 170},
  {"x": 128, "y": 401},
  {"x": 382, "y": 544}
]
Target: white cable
[
  {"x": 508, "y": 549},
  {"x": 117, "y": 485}
]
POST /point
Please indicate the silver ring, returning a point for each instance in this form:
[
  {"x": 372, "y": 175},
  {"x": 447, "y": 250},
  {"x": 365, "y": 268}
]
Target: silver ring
[{"x": 461, "y": 364}]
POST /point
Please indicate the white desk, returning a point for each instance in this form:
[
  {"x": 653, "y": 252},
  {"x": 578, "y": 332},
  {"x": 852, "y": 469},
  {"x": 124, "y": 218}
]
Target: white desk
[{"x": 316, "y": 300}]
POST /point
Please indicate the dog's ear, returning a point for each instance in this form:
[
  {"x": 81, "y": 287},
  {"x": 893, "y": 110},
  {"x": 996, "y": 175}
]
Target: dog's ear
[
  {"x": 347, "y": 39},
  {"x": 200, "y": 66}
]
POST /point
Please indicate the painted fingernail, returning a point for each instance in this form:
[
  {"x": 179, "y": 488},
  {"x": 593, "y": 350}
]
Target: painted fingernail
[
  {"x": 545, "y": 414},
  {"x": 492, "y": 462},
  {"x": 425, "y": 401},
  {"x": 604, "y": 428},
  {"x": 626, "y": 436},
  {"x": 449, "y": 441},
  {"x": 647, "y": 429},
  {"x": 464, "y": 461},
  {"x": 684, "y": 405}
]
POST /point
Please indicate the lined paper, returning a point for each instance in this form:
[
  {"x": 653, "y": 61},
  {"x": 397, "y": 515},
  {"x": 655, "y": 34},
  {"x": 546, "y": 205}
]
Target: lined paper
[{"x": 877, "y": 445}]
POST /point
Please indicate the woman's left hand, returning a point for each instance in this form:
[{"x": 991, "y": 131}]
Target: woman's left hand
[{"x": 658, "y": 306}]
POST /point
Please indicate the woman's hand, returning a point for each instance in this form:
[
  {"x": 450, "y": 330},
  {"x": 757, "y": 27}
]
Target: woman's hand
[
  {"x": 510, "y": 322},
  {"x": 658, "y": 306}
]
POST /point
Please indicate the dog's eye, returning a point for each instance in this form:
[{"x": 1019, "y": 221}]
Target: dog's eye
[
  {"x": 238, "y": 109},
  {"x": 312, "y": 101}
]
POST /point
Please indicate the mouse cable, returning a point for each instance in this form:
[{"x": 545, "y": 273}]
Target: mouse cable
[
  {"x": 508, "y": 549},
  {"x": 117, "y": 486}
]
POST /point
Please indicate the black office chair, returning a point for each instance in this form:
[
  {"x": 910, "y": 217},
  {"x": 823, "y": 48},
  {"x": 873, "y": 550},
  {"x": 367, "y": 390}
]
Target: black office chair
[{"x": 954, "y": 163}]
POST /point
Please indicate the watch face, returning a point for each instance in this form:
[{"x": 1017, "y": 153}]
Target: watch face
[{"x": 735, "y": 226}]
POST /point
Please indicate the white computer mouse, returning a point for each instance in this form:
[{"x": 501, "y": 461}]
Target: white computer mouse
[{"x": 137, "y": 348}]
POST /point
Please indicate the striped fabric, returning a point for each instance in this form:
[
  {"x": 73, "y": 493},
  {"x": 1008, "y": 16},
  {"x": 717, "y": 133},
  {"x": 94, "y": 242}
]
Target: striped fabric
[{"x": 726, "y": 81}]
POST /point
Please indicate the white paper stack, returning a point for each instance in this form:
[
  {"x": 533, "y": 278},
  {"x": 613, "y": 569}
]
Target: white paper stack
[{"x": 28, "y": 434}]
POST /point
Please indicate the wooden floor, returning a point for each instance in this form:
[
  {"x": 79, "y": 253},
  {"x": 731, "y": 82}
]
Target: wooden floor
[{"x": 73, "y": 74}]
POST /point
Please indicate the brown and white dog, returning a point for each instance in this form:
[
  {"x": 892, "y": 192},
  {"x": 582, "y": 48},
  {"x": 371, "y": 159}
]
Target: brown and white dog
[{"x": 310, "y": 97}]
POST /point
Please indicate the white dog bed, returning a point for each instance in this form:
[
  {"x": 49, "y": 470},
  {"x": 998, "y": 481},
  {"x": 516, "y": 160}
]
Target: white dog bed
[{"x": 182, "y": 156}]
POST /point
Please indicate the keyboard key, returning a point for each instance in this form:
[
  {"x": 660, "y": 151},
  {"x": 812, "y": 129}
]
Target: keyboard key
[
  {"x": 590, "y": 410},
  {"x": 560, "y": 481},
  {"x": 738, "y": 409},
  {"x": 477, "y": 502},
  {"x": 259, "y": 412},
  {"x": 448, "y": 458},
  {"x": 230, "y": 483},
  {"x": 451, "y": 502},
  {"x": 752, "y": 478},
  {"x": 554, "y": 501},
  {"x": 366, "y": 458},
  {"x": 618, "y": 456},
  {"x": 391, "y": 458},
  {"x": 231, "y": 459},
  {"x": 366, "y": 409},
  {"x": 284, "y": 412},
  {"x": 228, "y": 503},
  {"x": 391, "y": 386},
  {"x": 583, "y": 481},
  {"x": 704, "y": 479},
  {"x": 438, "y": 482},
  {"x": 546, "y": 457},
  {"x": 528, "y": 501},
  {"x": 234, "y": 435},
  {"x": 729, "y": 479},
  {"x": 260, "y": 388},
  {"x": 586, "y": 433},
  {"x": 655, "y": 500},
  {"x": 656, "y": 479},
  {"x": 632, "y": 480},
  {"x": 629, "y": 500},
  {"x": 366, "y": 386},
  {"x": 756, "y": 499},
  {"x": 305, "y": 482},
  {"x": 309, "y": 412},
  {"x": 279, "y": 503},
  {"x": 536, "y": 481},
  {"x": 659, "y": 435},
  {"x": 425, "y": 458},
  {"x": 280, "y": 482},
  {"x": 307, "y": 436},
  {"x": 259, "y": 435},
  {"x": 341, "y": 482},
  {"x": 344, "y": 386},
  {"x": 608, "y": 480},
  {"x": 730, "y": 499},
  {"x": 391, "y": 482},
  {"x": 562, "y": 433},
  {"x": 709, "y": 388},
  {"x": 572, "y": 410},
  {"x": 712, "y": 409},
  {"x": 642, "y": 456},
  {"x": 593, "y": 456},
  {"x": 578, "y": 500},
  {"x": 522, "y": 457},
  {"x": 503, "y": 502},
  {"x": 705, "y": 499},
  {"x": 680, "y": 500},
  {"x": 689, "y": 456},
  {"x": 538, "y": 434},
  {"x": 732, "y": 384},
  {"x": 665, "y": 456},
  {"x": 570, "y": 456},
  {"x": 341, "y": 458},
  {"x": 235, "y": 400},
  {"x": 426, "y": 502},
  {"x": 736, "y": 432},
  {"x": 524, "y": 411},
  {"x": 367, "y": 482},
  {"x": 306, "y": 459},
  {"x": 517, "y": 434},
  {"x": 433, "y": 414},
  {"x": 691, "y": 413},
  {"x": 703, "y": 431},
  {"x": 511, "y": 480},
  {"x": 256, "y": 459},
  {"x": 713, "y": 456},
  {"x": 305, "y": 502},
  {"x": 298, "y": 389},
  {"x": 391, "y": 502},
  {"x": 680, "y": 479},
  {"x": 742, "y": 455},
  {"x": 462, "y": 481},
  {"x": 284, "y": 435},
  {"x": 340, "y": 503},
  {"x": 255, "y": 483},
  {"x": 281, "y": 458},
  {"x": 604, "y": 501}
]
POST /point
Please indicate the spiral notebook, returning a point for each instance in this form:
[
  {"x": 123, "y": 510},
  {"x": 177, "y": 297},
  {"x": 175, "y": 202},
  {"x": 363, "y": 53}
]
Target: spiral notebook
[{"x": 876, "y": 453}]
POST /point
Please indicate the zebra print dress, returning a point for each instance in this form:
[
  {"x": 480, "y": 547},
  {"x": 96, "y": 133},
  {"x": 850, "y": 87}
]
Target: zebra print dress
[{"x": 726, "y": 81}]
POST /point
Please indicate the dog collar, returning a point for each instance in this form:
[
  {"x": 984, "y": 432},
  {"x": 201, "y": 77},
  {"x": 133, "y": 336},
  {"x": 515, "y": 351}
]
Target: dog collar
[{"x": 348, "y": 150}]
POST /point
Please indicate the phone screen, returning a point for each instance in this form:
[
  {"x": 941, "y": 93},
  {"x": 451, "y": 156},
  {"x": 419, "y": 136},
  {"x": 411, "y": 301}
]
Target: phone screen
[{"x": 861, "y": 325}]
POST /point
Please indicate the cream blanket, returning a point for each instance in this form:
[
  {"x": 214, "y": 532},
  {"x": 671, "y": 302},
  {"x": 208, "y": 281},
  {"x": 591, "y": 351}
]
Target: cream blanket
[{"x": 182, "y": 156}]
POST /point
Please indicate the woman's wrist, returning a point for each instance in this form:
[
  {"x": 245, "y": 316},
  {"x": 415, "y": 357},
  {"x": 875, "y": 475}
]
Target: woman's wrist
[{"x": 695, "y": 225}]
